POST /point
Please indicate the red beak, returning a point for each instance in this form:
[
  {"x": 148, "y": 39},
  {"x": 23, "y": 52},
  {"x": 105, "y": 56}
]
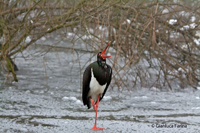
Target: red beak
[{"x": 104, "y": 51}]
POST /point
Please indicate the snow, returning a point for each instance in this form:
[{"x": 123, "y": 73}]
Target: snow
[
  {"x": 73, "y": 99},
  {"x": 43, "y": 38},
  {"x": 184, "y": 13},
  {"x": 91, "y": 30},
  {"x": 144, "y": 97},
  {"x": 181, "y": 69},
  {"x": 107, "y": 98},
  {"x": 195, "y": 107},
  {"x": 109, "y": 54},
  {"x": 172, "y": 21},
  {"x": 78, "y": 102},
  {"x": 186, "y": 27},
  {"x": 197, "y": 97},
  {"x": 28, "y": 39},
  {"x": 65, "y": 98},
  {"x": 70, "y": 34},
  {"x": 102, "y": 28},
  {"x": 165, "y": 11},
  {"x": 141, "y": 97},
  {"x": 114, "y": 30},
  {"x": 69, "y": 98},
  {"x": 193, "y": 18},
  {"x": 128, "y": 21},
  {"x": 190, "y": 26},
  {"x": 197, "y": 41},
  {"x": 198, "y": 33}
]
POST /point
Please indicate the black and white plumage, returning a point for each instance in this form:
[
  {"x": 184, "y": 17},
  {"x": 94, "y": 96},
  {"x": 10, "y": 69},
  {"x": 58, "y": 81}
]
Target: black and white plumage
[{"x": 96, "y": 79}]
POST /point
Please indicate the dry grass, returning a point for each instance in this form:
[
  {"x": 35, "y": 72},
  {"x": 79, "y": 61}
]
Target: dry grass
[{"x": 155, "y": 43}]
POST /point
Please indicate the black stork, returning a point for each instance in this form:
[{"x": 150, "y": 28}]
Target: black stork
[{"x": 96, "y": 79}]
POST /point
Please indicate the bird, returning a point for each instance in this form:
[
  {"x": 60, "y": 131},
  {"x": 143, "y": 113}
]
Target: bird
[{"x": 96, "y": 79}]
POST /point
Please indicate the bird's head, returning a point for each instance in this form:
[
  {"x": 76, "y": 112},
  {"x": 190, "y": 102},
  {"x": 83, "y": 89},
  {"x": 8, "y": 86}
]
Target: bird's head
[{"x": 101, "y": 55}]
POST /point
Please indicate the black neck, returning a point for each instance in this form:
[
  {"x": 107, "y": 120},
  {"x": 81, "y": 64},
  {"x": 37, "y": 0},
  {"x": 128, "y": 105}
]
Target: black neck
[{"x": 101, "y": 63}]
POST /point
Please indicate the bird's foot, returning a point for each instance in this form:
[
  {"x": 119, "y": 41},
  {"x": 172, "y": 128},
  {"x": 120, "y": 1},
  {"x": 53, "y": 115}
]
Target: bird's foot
[{"x": 96, "y": 128}]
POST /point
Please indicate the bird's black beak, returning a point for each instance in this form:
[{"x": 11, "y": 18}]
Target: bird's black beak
[{"x": 104, "y": 51}]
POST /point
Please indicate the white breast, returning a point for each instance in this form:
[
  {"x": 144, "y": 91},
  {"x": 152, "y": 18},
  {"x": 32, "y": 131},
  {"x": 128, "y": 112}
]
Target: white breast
[{"x": 95, "y": 88}]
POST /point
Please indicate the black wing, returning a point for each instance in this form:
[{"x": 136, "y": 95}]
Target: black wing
[
  {"x": 86, "y": 86},
  {"x": 109, "y": 80}
]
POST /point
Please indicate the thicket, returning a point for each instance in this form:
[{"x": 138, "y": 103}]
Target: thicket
[{"x": 155, "y": 43}]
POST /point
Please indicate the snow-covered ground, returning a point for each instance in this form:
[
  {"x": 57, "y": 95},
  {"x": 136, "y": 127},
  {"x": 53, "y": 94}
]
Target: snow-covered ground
[{"x": 52, "y": 102}]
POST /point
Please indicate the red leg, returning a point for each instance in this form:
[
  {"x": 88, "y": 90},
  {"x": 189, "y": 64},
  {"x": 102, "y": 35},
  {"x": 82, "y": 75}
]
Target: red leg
[
  {"x": 97, "y": 105},
  {"x": 93, "y": 104}
]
